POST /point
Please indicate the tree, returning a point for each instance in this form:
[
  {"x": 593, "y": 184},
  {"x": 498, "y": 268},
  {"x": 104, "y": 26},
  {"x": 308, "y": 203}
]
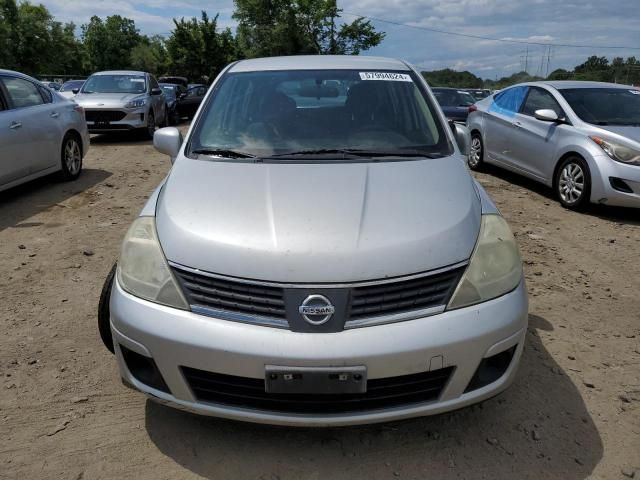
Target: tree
[
  {"x": 279, "y": 27},
  {"x": 8, "y": 33},
  {"x": 451, "y": 78},
  {"x": 150, "y": 55},
  {"x": 197, "y": 50},
  {"x": 109, "y": 43}
]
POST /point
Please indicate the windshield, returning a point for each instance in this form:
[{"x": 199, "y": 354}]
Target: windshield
[
  {"x": 454, "y": 98},
  {"x": 115, "y": 84},
  {"x": 605, "y": 106},
  {"x": 169, "y": 91},
  {"x": 319, "y": 113},
  {"x": 68, "y": 86}
]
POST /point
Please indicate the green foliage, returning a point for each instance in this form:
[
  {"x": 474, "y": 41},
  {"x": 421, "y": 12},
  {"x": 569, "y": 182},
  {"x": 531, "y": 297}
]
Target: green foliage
[
  {"x": 196, "y": 50},
  {"x": 150, "y": 55},
  {"x": 109, "y": 43},
  {"x": 32, "y": 42},
  {"x": 451, "y": 78},
  {"x": 280, "y": 27}
]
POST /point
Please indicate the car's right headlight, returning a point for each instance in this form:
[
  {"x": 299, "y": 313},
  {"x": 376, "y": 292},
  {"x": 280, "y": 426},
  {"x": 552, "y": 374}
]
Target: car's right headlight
[
  {"x": 617, "y": 151},
  {"x": 143, "y": 270},
  {"x": 495, "y": 267},
  {"x": 136, "y": 103}
]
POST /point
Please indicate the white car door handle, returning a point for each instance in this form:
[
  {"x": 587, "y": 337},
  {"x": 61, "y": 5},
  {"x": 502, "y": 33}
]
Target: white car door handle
[
  {"x": 54, "y": 115},
  {"x": 15, "y": 125}
]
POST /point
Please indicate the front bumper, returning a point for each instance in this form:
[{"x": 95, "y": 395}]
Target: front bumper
[
  {"x": 104, "y": 120},
  {"x": 459, "y": 338},
  {"x": 615, "y": 193}
]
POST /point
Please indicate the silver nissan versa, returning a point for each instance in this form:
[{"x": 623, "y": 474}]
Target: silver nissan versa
[{"x": 318, "y": 255}]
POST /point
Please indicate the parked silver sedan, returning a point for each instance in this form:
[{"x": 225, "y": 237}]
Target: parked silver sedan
[
  {"x": 580, "y": 138},
  {"x": 318, "y": 255},
  {"x": 123, "y": 100},
  {"x": 40, "y": 132}
]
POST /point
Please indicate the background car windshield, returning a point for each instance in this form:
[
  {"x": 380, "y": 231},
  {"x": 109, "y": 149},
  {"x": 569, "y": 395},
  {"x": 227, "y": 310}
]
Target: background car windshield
[
  {"x": 115, "y": 84},
  {"x": 605, "y": 106},
  {"x": 454, "y": 98},
  {"x": 169, "y": 91},
  {"x": 280, "y": 112},
  {"x": 70, "y": 85}
]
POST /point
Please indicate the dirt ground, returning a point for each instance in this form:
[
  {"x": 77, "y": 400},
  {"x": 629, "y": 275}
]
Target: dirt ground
[{"x": 573, "y": 412}]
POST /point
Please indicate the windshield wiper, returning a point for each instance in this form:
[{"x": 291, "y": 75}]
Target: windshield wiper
[
  {"x": 354, "y": 152},
  {"x": 223, "y": 153}
]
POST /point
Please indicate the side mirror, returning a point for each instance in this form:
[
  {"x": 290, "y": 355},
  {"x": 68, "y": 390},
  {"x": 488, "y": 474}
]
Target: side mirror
[
  {"x": 463, "y": 137},
  {"x": 546, "y": 115},
  {"x": 168, "y": 140},
  {"x": 156, "y": 91},
  {"x": 75, "y": 91}
]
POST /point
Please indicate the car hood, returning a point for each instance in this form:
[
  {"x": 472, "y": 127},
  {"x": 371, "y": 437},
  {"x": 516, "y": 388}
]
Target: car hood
[
  {"x": 318, "y": 223},
  {"x": 88, "y": 100},
  {"x": 632, "y": 133}
]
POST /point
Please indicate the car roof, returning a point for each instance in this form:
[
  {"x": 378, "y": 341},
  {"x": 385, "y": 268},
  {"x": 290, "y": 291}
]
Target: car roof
[
  {"x": 560, "y": 84},
  {"x": 16, "y": 74},
  {"x": 319, "y": 62},
  {"x": 120, "y": 72}
]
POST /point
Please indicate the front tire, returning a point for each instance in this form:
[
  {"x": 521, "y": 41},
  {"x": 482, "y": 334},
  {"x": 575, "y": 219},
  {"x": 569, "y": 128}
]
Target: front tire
[
  {"x": 104, "y": 322},
  {"x": 151, "y": 125},
  {"x": 70, "y": 157},
  {"x": 475, "y": 160},
  {"x": 573, "y": 183}
]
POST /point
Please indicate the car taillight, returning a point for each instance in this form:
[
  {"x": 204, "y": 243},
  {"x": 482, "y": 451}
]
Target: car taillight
[{"x": 472, "y": 108}]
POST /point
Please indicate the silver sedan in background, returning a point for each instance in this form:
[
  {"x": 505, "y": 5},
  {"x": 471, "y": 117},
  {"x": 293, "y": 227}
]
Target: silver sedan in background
[
  {"x": 580, "y": 138},
  {"x": 40, "y": 132}
]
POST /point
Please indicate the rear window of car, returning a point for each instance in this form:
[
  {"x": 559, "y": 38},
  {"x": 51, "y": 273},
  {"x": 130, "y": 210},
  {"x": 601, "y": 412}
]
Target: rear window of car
[
  {"x": 508, "y": 102},
  {"x": 22, "y": 93}
]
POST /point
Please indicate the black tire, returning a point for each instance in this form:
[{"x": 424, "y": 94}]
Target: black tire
[
  {"x": 70, "y": 157},
  {"x": 104, "y": 323},
  {"x": 151, "y": 125},
  {"x": 572, "y": 183},
  {"x": 165, "y": 121},
  {"x": 475, "y": 160}
]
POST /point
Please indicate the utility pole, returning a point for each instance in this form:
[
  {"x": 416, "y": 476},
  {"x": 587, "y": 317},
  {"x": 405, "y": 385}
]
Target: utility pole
[{"x": 526, "y": 60}]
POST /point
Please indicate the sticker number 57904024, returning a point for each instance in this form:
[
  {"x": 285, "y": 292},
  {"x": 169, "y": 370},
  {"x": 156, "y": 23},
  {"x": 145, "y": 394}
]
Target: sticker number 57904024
[{"x": 389, "y": 76}]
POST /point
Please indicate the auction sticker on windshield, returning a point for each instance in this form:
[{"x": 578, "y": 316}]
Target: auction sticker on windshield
[{"x": 390, "y": 76}]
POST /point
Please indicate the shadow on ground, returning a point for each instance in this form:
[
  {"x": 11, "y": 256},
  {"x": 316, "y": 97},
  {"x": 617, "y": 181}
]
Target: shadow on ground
[
  {"x": 628, "y": 216},
  {"x": 539, "y": 428},
  {"x": 22, "y": 202}
]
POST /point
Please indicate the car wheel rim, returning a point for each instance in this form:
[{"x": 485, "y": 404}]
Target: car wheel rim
[
  {"x": 474, "y": 153},
  {"x": 72, "y": 156},
  {"x": 571, "y": 183}
]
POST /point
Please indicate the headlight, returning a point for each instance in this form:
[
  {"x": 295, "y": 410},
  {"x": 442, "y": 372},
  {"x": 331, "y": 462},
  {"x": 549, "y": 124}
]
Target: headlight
[
  {"x": 618, "y": 152},
  {"x": 142, "y": 268},
  {"x": 495, "y": 267},
  {"x": 140, "y": 102}
]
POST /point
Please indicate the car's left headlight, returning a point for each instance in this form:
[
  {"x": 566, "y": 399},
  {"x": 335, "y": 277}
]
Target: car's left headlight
[
  {"x": 617, "y": 151},
  {"x": 143, "y": 270},
  {"x": 495, "y": 267},
  {"x": 136, "y": 103}
]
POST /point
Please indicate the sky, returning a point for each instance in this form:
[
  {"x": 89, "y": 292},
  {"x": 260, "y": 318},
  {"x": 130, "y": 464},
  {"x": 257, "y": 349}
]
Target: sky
[{"x": 597, "y": 23}]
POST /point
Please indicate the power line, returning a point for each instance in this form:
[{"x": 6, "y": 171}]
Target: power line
[{"x": 493, "y": 39}]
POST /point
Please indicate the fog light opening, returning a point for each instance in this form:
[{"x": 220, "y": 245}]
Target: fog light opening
[
  {"x": 620, "y": 185},
  {"x": 144, "y": 369},
  {"x": 491, "y": 369}
]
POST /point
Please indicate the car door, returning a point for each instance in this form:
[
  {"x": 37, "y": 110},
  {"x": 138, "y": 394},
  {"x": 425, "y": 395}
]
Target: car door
[
  {"x": 192, "y": 101},
  {"x": 32, "y": 107},
  {"x": 12, "y": 141},
  {"x": 534, "y": 142},
  {"x": 498, "y": 124},
  {"x": 158, "y": 101}
]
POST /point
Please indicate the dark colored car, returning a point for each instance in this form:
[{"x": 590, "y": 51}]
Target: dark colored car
[
  {"x": 478, "y": 93},
  {"x": 455, "y": 103},
  {"x": 175, "y": 81},
  {"x": 174, "y": 94},
  {"x": 188, "y": 106}
]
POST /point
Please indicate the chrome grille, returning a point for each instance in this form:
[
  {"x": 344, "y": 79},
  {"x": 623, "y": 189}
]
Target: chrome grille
[
  {"x": 222, "y": 297},
  {"x": 430, "y": 291}
]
